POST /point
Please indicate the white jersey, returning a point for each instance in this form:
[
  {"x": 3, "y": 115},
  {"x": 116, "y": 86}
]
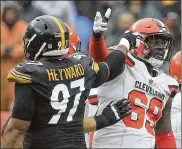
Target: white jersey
[
  {"x": 148, "y": 96},
  {"x": 90, "y": 110},
  {"x": 176, "y": 118}
]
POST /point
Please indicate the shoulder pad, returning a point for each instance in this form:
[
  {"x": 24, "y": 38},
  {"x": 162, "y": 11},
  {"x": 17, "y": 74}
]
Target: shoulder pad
[
  {"x": 112, "y": 48},
  {"x": 83, "y": 58},
  {"x": 79, "y": 55},
  {"x": 22, "y": 73},
  {"x": 87, "y": 61}
]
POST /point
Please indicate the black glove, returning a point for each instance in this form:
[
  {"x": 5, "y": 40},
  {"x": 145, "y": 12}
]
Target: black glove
[
  {"x": 131, "y": 40},
  {"x": 113, "y": 113}
]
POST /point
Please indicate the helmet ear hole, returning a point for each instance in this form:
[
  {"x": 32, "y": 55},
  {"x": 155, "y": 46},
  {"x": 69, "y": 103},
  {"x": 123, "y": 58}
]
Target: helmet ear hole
[{"x": 46, "y": 27}]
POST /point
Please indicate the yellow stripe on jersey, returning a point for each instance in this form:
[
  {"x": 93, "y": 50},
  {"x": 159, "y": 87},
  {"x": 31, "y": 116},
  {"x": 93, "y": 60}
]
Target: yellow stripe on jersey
[
  {"x": 95, "y": 67},
  {"x": 20, "y": 73},
  {"x": 61, "y": 31},
  {"x": 13, "y": 78},
  {"x": 107, "y": 68}
]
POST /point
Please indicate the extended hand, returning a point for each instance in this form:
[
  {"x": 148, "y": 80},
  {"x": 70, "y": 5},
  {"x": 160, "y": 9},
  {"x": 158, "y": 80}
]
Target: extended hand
[
  {"x": 113, "y": 113},
  {"x": 100, "y": 24},
  {"x": 117, "y": 111}
]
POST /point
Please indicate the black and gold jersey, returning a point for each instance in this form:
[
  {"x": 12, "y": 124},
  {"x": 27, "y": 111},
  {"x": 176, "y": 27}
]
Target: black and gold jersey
[
  {"x": 51, "y": 93},
  {"x": 60, "y": 88}
]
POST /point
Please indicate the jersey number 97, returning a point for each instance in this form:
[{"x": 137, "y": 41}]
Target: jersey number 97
[{"x": 62, "y": 106}]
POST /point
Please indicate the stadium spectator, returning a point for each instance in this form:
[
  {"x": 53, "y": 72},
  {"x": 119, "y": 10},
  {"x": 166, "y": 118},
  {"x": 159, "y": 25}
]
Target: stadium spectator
[
  {"x": 64, "y": 10},
  {"x": 12, "y": 31},
  {"x": 140, "y": 9},
  {"x": 169, "y": 6},
  {"x": 172, "y": 20},
  {"x": 28, "y": 12},
  {"x": 125, "y": 20}
]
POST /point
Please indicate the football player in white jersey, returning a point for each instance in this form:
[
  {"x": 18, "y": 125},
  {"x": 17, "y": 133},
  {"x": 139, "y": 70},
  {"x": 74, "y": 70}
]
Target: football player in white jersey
[
  {"x": 175, "y": 71},
  {"x": 142, "y": 81}
]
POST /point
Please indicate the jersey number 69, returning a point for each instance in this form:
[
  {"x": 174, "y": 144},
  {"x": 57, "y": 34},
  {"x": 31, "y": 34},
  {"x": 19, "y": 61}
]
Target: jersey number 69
[{"x": 143, "y": 113}]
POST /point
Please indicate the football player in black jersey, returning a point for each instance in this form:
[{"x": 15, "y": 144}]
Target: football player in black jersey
[{"x": 51, "y": 89}]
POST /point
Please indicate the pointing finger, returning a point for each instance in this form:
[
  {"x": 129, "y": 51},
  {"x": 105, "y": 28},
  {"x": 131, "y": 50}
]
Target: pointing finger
[
  {"x": 98, "y": 16},
  {"x": 108, "y": 13}
]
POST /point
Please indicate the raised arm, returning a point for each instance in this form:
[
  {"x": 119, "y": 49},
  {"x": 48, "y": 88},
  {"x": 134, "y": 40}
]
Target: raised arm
[
  {"x": 97, "y": 45},
  {"x": 98, "y": 49},
  {"x": 114, "y": 63}
]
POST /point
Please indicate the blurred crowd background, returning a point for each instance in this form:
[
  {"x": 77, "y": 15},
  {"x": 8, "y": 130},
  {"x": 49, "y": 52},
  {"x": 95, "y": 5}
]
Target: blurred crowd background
[{"x": 15, "y": 15}]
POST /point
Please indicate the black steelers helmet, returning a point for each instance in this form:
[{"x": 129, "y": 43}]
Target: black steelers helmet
[{"x": 45, "y": 36}]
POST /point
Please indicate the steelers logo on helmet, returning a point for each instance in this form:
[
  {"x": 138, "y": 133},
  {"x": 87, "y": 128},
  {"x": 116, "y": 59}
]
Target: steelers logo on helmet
[
  {"x": 157, "y": 41},
  {"x": 46, "y": 36}
]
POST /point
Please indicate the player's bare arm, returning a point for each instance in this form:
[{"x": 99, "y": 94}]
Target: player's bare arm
[
  {"x": 112, "y": 114},
  {"x": 163, "y": 129},
  {"x": 164, "y": 123},
  {"x": 4, "y": 126},
  {"x": 89, "y": 124},
  {"x": 20, "y": 118},
  {"x": 15, "y": 133}
]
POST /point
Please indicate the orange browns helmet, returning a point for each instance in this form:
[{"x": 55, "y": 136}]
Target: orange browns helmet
[
  {"x": 175, "y": 67},
  {"x": 75, "y": 43},
  {"x": 150, "y": 51}
]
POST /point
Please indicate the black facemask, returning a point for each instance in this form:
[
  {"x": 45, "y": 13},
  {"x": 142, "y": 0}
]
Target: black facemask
[{"x": 160, "y": 46}]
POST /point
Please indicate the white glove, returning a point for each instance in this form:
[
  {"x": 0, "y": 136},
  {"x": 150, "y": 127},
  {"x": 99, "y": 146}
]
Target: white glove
[{"x": 99, "y": 25}]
